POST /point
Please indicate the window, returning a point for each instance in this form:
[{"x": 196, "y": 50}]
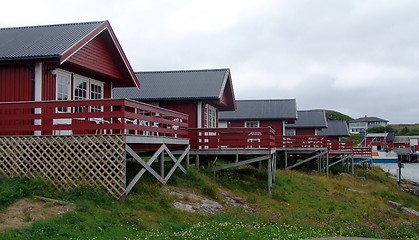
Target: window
[
  {"x": 80, "y": 91},
  {"x": 289, "y": 132},
  {"x": 84, "y": 89},
  {"x": 96, "y": 92},
  {"x": 251, "y": 124},
  {"x": 210, "y": 116},
  {"x": 62, "y": 89}
]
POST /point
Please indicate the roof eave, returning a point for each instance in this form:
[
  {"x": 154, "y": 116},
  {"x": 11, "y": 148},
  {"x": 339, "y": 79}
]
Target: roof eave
[{"x": 31, "y": 58}]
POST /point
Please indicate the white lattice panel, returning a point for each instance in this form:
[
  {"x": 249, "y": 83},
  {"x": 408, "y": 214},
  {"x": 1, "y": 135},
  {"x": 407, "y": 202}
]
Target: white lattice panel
[{"x": 67, "y": 161}]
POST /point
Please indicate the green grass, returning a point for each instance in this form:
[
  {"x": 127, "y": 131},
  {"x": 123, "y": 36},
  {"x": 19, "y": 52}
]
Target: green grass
[
  {"x": 406, "y": 129},
  {"x": 303, "y": 205}
]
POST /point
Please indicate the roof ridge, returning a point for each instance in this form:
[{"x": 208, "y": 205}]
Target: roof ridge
[
  {"x": 180, "y": 71},
  {"x": 52, "y": 25},
  {"x": 311, "y": 110},
  {"x": 263, "y": 100}
]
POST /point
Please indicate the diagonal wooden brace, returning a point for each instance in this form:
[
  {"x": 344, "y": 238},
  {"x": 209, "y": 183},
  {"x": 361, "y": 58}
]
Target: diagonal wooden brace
[
  {"x": 177, "y": 163},
  {"x": 144, "y": 164},
  {"x": 143, "y": 170},
  {"x": 174, "y": 158}
]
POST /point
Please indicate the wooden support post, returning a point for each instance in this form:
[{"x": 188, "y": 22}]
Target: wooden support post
[
  {"x": 286, "y": 159},
  {"x": 352, "y": 165},
  {"x": 162, "y": 164},
  {"x": 270, "y": 176},
  {"x": 187, "y": 160},
  {"x": 274, "y": 166},
  {"x": 214, "y": 164},
  {"x": 197, "y": 161},
  {"x": 327, "y": 164},
  {"x": 237, "y": 158},
  {"x": 260, "y": 165},
  {"x": 318, "y": 165}
]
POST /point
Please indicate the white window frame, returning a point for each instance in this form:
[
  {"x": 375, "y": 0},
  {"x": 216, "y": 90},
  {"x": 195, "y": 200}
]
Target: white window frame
[
  {"x": 89, "y": 82},
  {"x": 290, "y": 132},
  {"x": 101, "y": 93},
  {"x": 59, "y": 75},
  {"x": 77, "y": 81},
  {"x": 210, "y": 116},
  {"x": 251, "y": 124}
]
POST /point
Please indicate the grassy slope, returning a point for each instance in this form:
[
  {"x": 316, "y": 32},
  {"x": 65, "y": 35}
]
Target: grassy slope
[
  {"x": 411, "y": 127},
  {"x": 303, "y": 205},
  {"x": 330, "y": 114}
]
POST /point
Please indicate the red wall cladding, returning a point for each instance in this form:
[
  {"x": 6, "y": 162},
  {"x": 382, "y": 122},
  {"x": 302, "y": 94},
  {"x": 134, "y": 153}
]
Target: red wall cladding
[
  {"x": 15, "y": 83},
  {"x": 48, "y": 81},
  {"x": 183, "y": 107},
  {"x": 97, "y": 55},
  {"x": 305, "y": 131},
  {"x": 275, "y": 125}
]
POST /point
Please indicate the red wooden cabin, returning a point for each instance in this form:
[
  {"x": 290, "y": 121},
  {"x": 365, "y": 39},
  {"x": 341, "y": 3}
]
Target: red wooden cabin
[
  {"x": 77, "y": 65},
  {"x": 57, "y": 117},
  {"x": 337, "y": 132},
  {"x": 262, "y": 120},
  {"x": 273, "y": 113},
  {"x": 308, "y": 123},
  {"x": 201, "y": 94}
]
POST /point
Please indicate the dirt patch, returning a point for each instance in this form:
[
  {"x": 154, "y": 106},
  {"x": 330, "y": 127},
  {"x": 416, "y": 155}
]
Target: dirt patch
[{"x": 26, "y": 211}]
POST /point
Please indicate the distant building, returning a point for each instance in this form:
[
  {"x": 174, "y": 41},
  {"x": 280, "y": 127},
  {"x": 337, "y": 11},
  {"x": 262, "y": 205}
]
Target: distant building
[
  {"x": 308, "y": 123},
  {"x": 362, "y": 124},
  {"x": 336, "y": 130},
  {"x": 406, "y": 144}
]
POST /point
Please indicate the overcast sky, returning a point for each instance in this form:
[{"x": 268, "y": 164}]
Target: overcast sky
[{"x": 358, "y": 57}]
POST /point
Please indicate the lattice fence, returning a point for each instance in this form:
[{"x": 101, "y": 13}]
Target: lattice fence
[{"x": 67, "y": 161}]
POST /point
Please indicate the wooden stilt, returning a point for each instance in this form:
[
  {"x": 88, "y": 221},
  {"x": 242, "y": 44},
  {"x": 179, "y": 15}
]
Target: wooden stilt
[
  {"x": 197, "y": 161},
  {"x": 270, "y": 176},
  {"x": 327, "y": 164},
  {"x": 162, "y": 164}
]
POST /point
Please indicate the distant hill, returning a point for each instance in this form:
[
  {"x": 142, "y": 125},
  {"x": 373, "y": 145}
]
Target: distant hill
[
  {"x": 406, "y": 129},
  {"x": 333, "y": 115}
]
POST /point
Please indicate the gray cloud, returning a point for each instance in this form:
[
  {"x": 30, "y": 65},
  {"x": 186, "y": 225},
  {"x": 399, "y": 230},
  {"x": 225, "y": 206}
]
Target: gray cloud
[{"x": 355, "y": 56}]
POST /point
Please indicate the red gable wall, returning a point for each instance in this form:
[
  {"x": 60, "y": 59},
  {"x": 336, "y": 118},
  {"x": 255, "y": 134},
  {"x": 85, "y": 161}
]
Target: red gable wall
[{"x": 98, "y": 56}]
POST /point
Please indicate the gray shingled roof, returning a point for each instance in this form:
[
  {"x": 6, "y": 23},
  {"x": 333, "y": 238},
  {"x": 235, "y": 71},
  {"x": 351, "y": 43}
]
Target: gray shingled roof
[
  {"x": 41, "y": 41},
  {"x": 177, "y": 85},
  {"x": 262, "y": 110},
  {"x": 337, "y": 128},
  {"x": 368, "y": 119},
  {"x": 309, "y": 119}
]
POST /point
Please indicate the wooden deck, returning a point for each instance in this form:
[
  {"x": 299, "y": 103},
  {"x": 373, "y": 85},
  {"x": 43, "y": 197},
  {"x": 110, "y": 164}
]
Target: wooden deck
[
  {"x": 82, "y": 117},
  {"x": 73, "y": 143}
]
